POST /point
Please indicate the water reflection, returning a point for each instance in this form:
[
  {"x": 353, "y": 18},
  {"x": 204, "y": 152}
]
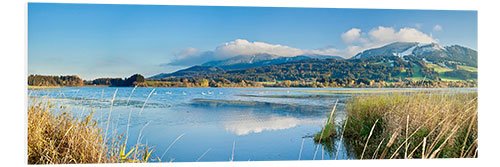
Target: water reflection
[
  {"x": 257, "y": 124},
  {"x": 270, "y": 107}
]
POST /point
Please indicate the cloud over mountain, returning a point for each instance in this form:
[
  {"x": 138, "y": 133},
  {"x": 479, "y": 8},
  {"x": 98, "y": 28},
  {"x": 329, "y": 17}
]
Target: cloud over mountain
[
  {"x": 191, "y": 56},
  {"x": 244, "y": 47},
  {"x": 385, "y": 35},
  {"x": 353, "y": 35},
  {"x": 356, "y": 40},
  {"x": 238, "y": 47}
]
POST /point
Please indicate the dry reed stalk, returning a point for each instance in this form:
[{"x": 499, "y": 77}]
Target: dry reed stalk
[
  {"x": 232, "y": 152},
  {"x": 423, "y": 148},
  {"x": 109, "y": 118},
  {"x": 301, "y": 146},
  {"x": 201, "y": 156},
  {"x": 323, "y": 130},
  {"x": 376, "y": 150},
  {"x": 406, "y": 140},
  {"x": 341, "y": 137},
  {"x": 333, "y": 110},
  {"x": 171, "y": 144},
  {"x": 467, "y": 135},
  {"x": 367, "y": 140},
  {"x": 146, "y": 100}
]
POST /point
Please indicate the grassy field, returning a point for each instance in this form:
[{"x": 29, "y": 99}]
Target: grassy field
[
  {"x": 438, "y": 68},
  {"x": 441, "y": 70},
  {"x": 419, "y": 125},
  {"x": 59, "y": 138},
  {"x": 467, "y": 68},
  {"x": 270, "y": 82},
  {"x": 450, "y": 79},
  {"x": 417, "y": 75}
]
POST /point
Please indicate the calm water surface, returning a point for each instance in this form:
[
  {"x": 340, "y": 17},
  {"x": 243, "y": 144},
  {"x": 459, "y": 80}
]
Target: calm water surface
[{"x": 261, "y": 123}]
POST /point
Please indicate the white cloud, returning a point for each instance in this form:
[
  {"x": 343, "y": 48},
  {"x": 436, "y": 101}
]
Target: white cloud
[
  {"x": 192, "y": 56},
  {"x": 188, "y": 51},
  {"x": 352, "y": 50},
  {"x": 437, "y": 28},
  {"x": 355, "y": 39},
  {"x": 384, "y": 35},
  {"x": 353, "y": 35},
  {"x": 244, "y": 47},
  {"x": 358, "y": 41},
  {"x": 256, "y": 124},
  {"x": 324, "y": 51}
]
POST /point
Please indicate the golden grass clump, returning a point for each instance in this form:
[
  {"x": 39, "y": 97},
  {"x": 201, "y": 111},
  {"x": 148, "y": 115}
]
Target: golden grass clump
[
  {"x": 60, "y": 138},
  {"x": 416, "y": 125}
]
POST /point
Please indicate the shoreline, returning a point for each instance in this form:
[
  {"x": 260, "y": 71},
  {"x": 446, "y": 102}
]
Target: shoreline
[{"x": 36, "y": 87}]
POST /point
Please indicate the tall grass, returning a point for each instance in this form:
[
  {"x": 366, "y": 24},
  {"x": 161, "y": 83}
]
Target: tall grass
[
  {"x": 326, "y": 137},
  {"x": 60, "y": 138},
  {"x": 417, "y": 125},
  {"x": 329, "y": 130}
]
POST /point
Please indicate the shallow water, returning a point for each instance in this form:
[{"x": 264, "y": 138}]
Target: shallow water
[{"x": 261, "y": 123}]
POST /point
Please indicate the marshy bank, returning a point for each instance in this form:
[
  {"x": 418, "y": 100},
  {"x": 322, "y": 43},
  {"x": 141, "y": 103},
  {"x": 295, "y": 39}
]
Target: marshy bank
[
  {"x": 60, "y": 138},
  {"x": 405, "y": 126}
]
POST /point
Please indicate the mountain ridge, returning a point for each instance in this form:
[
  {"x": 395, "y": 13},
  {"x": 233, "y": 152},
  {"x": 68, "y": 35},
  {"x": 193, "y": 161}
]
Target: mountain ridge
[
  {"x": 432, "y": 52},
  {"x": 411, "y": 54},
  {"x": 240, "y": 62}
]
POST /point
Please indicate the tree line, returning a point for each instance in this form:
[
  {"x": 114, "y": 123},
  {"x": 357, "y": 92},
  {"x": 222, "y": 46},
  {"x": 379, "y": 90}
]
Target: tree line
[
  {"x": 44, "y": 80},
  {"x": 378, "y": 71},
  {"x": 118, "y": 82},
  {"x": 74, "y": 80}
]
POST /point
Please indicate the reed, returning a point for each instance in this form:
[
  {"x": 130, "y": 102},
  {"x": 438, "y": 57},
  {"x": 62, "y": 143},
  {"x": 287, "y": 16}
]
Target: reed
[
  {"x": 60, "y": 138},
  {"x": 330, "y": 129},
  {"x": 415, "y": 125}
]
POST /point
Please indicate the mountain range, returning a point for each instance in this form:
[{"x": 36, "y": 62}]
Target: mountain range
[
  {"x": 446, "y": 58},
  {"x": 238, "y": 63},
  {"x": 429, "y": 52}
]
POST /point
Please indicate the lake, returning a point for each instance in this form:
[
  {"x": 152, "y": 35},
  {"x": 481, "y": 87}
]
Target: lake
[{"x": 215, "y": 124}]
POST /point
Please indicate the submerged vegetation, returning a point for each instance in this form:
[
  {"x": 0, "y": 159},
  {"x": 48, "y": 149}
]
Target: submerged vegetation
[
  {"x": 329, "y": 130},
  {"x": 419, "y": 125},
  {"x": 60, "y": 138}
]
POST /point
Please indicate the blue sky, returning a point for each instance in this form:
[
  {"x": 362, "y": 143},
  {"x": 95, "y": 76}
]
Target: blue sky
[{"x": 119, "y": 40}]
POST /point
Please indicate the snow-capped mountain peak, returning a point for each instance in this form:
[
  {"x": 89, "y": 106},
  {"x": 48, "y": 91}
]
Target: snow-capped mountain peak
[
  {"x": 407, "y": 52},
  {"x": 402, "y": 49},
  {"x": 428, "y": 51}
]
